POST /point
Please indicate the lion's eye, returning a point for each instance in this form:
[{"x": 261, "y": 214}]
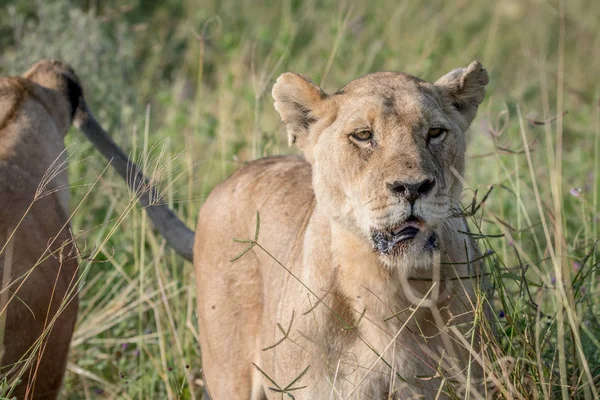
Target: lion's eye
[
  {"x": 436, "y": 133},
  {"x": 362, "y": 135}
]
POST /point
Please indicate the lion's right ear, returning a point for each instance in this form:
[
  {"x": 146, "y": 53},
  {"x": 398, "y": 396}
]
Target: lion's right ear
[{"x": 297, "y": 99}]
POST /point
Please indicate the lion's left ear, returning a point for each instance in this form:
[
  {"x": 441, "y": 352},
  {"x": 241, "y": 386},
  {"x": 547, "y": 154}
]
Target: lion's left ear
[
  {"x": 465, "y": 89},
  {"x": 297, "y": 99}
]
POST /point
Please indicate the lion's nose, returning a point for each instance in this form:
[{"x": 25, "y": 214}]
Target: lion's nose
[{"x": 411, "y": 191}]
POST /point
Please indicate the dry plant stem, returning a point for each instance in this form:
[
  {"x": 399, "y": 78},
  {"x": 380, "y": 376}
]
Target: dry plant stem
[
  {"x": 538, "y": 348},
  {"x": 522, "y": 208},
  {"x": 162, "y": 352},
  {"x": 170, "y": 317},
  {"x": 142, "y": 252},
  {"x": 595, "y": 187},
  {"x": 342, "y": 24},
  {"x": 8, "y": 261},
  {"x": 260, "y": 85},
  {"x": 560, "y": 266}
]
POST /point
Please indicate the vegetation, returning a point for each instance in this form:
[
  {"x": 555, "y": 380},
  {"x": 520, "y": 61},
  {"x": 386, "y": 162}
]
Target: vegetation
[{"x": 185, "y": 87}]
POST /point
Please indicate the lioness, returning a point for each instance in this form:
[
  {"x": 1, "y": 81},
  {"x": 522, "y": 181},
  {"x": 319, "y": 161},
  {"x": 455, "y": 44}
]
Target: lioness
[
  {"x": 38, "y": 264},
  {"x": 357, "y": 281},
  {"x": 340, "y": 297},
  {"x": 38, "y": 260}
]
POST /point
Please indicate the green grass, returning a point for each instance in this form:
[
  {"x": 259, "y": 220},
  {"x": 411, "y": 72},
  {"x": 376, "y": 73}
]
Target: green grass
[{"x": 188, "y": 83}]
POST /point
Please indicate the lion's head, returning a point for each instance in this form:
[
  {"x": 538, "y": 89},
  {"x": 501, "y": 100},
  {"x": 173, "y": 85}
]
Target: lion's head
[
  {"x": 65, "y": 92},
  {"x": 383, "y": 150}
]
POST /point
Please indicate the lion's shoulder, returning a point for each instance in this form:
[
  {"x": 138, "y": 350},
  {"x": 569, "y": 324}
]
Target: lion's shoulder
[{"x": 278, "y": 182}]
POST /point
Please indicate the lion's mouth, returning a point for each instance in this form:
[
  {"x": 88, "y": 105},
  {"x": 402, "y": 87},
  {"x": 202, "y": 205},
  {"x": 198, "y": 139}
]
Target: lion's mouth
[
  {"x": 407, "y": 230},
  {"x": 399, "y": 237}
]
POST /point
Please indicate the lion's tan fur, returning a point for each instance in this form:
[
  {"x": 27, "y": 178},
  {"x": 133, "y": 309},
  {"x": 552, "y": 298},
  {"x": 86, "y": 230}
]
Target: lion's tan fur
[
  {"x": 35, "y": 115},
  {"x": 343, "y": 303}
]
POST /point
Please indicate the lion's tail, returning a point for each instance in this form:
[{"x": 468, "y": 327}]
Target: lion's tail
[{"x": 179, "y": 237}]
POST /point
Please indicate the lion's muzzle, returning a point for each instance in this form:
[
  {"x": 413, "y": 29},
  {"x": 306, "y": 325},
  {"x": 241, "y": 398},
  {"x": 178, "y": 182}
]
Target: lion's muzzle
[{"x": 412, "y": 234}]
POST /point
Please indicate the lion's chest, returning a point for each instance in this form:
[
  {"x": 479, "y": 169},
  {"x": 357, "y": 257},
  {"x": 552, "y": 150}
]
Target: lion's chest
[{"x": 356, "y": 352}]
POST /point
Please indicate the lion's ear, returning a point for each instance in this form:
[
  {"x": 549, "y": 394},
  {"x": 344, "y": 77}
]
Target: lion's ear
[
  {"x": 60, "y": 78},
  {"x": 465, "y": 89},
  {"x": 297, "y": 99}
]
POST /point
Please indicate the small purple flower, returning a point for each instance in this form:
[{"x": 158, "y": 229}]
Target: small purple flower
[
  {"x": 553, "y": 280},
  {"x": 489, "y": 252},
  {"x": 575, "y": 192},
  {"x": 136, "y": 353},
  {"x": 99, "y": 391},
  {"x": 124, "y": 346},
  {"x": 576, "y": 266},
  {"x": 502, "y": 314}
]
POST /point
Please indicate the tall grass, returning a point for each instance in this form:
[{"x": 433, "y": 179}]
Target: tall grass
[{"x": 188, "y": 83}]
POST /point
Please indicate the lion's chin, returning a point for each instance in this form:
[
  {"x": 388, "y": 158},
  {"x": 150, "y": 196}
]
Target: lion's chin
[{"x": 413, "y": 250}]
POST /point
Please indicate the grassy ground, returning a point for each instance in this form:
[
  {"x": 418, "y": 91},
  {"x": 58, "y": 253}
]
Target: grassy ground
[{"x": 185, "y": 86}]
